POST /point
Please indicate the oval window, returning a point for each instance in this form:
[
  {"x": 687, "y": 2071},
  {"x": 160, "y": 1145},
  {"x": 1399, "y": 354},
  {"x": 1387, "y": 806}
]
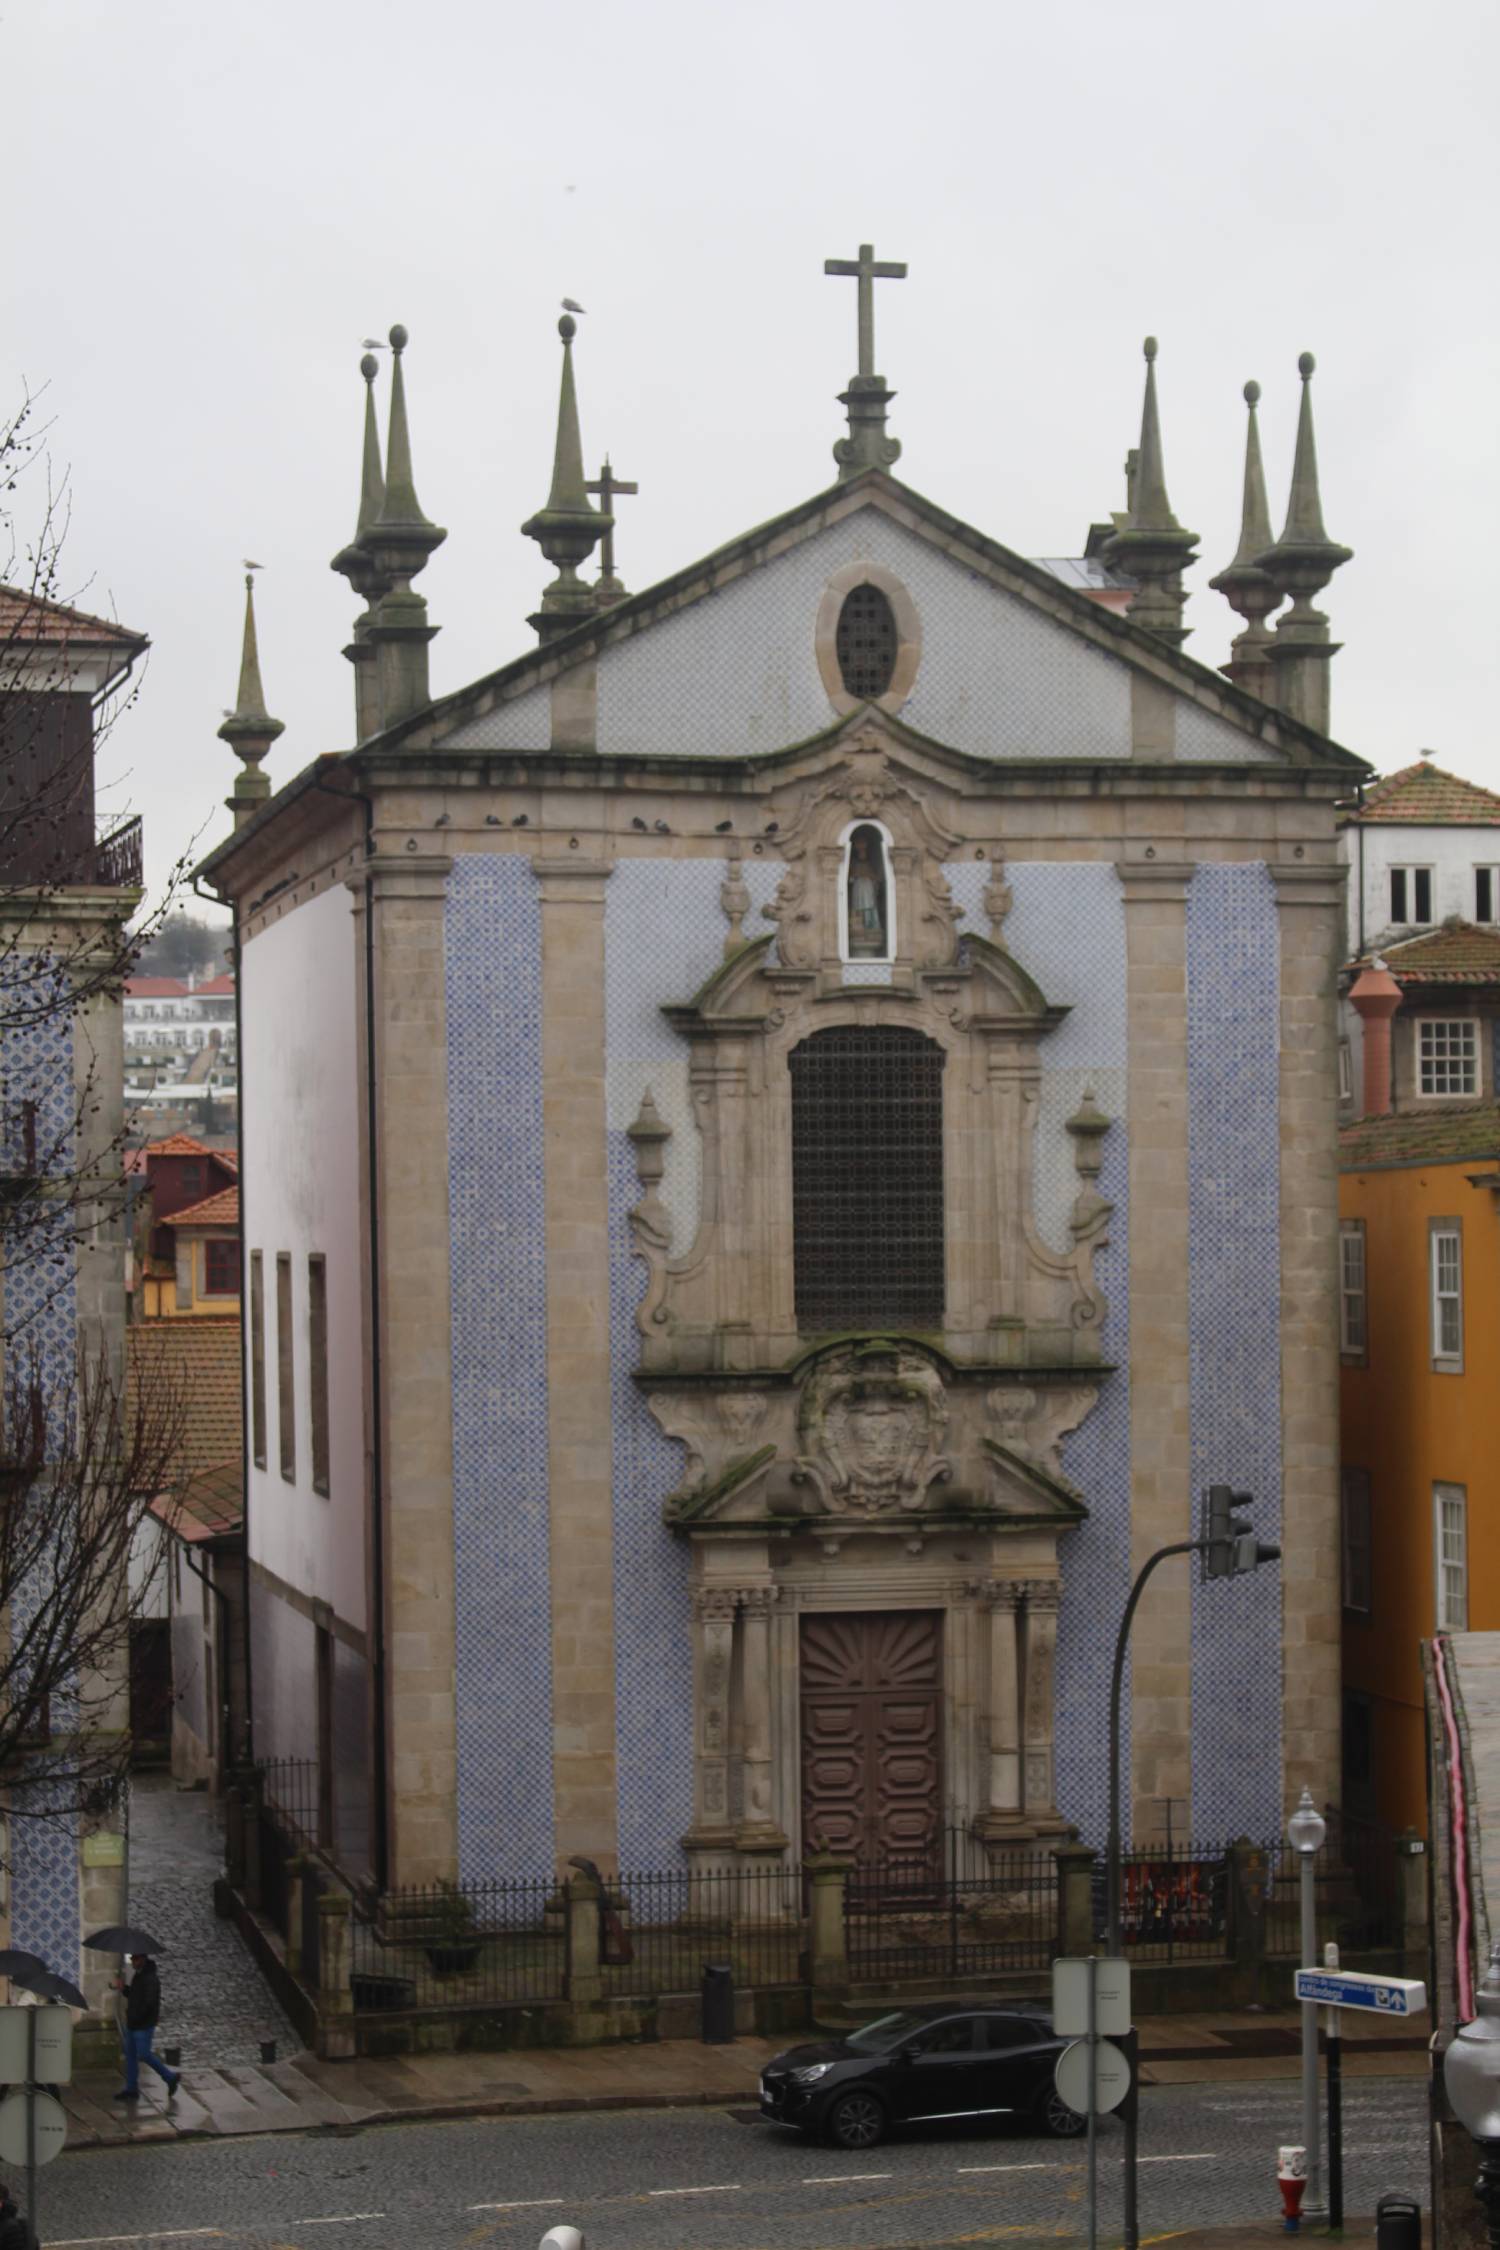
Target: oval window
[{"x": 866, "y": 643}]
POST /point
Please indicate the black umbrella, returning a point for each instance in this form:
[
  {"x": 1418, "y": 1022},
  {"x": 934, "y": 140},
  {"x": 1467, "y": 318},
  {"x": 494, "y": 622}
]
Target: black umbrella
[
  {"x": 123, "y": 1937},
  {"x": 22, "y": 1968},
  {"x": 50, "y": 1986}
]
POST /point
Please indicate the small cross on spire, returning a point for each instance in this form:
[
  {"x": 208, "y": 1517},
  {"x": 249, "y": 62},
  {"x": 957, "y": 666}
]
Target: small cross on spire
[
  {"x": 607, "y": 484},
  {"x": 866, "y": 446}
]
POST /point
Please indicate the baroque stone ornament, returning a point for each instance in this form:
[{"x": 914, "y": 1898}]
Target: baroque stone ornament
[{"x": 871, "y": 1425}]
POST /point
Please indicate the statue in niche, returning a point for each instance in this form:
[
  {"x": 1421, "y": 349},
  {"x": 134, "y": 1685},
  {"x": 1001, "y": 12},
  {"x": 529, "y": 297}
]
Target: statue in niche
[{"x": 868, "y": 911}]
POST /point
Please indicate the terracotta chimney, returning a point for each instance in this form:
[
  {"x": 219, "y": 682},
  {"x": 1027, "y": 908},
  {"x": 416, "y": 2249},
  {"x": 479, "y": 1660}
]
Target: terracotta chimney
[{"x": 1375, "y": 996}]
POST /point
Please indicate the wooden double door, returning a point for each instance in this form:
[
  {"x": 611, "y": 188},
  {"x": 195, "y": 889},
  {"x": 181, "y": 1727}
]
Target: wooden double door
[{"x": 872, "y": 1733}]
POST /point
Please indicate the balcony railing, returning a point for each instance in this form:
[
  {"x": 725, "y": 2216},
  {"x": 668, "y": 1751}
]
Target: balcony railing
[{"x": 118, "y": 859}]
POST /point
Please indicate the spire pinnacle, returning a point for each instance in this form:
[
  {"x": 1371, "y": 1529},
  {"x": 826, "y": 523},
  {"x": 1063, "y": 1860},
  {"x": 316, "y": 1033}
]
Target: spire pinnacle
[
  {"x": 249, "y": 730},
  {"x": 398, "y": 542},
  {"x": 400, "y": 504},
  {"x": 1245, "y": 585},
  {"x": 568, "y": 528},
  {"x": 1150, "y": 545},
  {"x": 356, "y": 562},
  {"x": 1300, "y": 563},
  {"x": 372, "y": 475}
]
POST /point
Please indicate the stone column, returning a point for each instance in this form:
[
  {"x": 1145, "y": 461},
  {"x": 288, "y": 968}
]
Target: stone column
[
  {"x": 1075, "y": 1899},
  {"x": 1161, "y": 1509},
  {"x": 1040, "y": 1791},
  {"x": 1001, "y": 1822},
  {"x": 1310, "y": 904},
  {"x": 579, "y": 1434},
  {"x": 758, "y": 1830},
  {"x": 335, "y": 1970},
  {"x": 585, "y": 1984},
  {"x": 712, "y": 1832},
  {"x": 827, "y": 1944}
]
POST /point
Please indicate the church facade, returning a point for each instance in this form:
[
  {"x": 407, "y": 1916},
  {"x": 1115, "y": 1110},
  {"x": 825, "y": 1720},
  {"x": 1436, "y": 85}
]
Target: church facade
[{"x": 787, "y": 1134}]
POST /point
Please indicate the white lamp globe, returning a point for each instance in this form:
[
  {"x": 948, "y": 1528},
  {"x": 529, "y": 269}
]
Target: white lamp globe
[
  {"x": 1307, "y": 1828},
  {"x": 1471, "y": 2067}
]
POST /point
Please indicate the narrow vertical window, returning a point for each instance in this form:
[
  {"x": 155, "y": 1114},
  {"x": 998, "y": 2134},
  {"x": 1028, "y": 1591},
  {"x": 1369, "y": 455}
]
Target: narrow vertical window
[
  {"x": 257, "y": 1359},
  {"x": 286, "y": 1396},
  {"x": 1354, "y": 1495},
  {"x": 1447, "y": 1268},
  {"x": 1346, "y": 1072},
  {"x": 1451, "y": 1557},
  {"x": 317, "y": 1370},
  {"x": 1411, "y": 894},
  {"x": 1353, "y": 1332},
  {"x": 1487, "y": 894},
  {"x": 1398, "y": 894},
  {"x": 1421, "y": 881}
]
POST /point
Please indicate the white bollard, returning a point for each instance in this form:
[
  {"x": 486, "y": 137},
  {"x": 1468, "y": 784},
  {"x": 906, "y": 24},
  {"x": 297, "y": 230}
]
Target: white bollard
[{"x": 561, "y": 2238}]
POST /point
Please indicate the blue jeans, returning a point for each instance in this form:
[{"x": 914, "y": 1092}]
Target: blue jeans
[{"x": 138, "y": 2051}]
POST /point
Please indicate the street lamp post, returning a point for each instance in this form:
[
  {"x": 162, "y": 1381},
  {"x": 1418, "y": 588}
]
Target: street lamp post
[
  {"x": 1471, "y": 2073},
  {"x": 1305, "y": 1832}
]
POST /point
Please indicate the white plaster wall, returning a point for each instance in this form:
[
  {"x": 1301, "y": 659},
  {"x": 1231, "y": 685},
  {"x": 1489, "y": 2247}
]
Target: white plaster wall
[
  {"x": 300, "y": 1168},
  {"x": 1452, "y": 853}
]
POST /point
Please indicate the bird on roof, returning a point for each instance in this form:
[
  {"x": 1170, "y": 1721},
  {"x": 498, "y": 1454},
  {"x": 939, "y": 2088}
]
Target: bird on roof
[
  {"x": 371, "y": 344},
  {"x": 569, "y": 304},
  {"x": 246, "y": 564}
]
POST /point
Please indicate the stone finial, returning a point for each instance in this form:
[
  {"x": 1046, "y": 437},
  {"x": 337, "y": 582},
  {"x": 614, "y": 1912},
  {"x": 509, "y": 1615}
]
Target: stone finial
[
  {"x": 1245, "y": 584},
  {"x": 249, "y": 730},
  {"x": 1300, "y": 563},
  {"x": 866, "y": 399},
  {"x": 356, "y": 563},
  {"x": 568, "y": 529},
  {"x": 399, "y": 541},
  {"x": 1151, "y": 546},
  {"x": 1088, "y": 1126}
]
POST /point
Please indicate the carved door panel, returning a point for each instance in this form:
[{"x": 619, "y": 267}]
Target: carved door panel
[{"x": 872, "y": 1763}]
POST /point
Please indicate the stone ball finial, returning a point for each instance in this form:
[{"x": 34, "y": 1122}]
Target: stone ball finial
[
  {"x": 1149, "y": 348},
  {"x": 567, "y": 328},
  {"x": 399, "y": 338},
  {"x": 1305, "y": 365},
  {"x": 1252, "y": 392},
  {"x": 369, "y": 367}
]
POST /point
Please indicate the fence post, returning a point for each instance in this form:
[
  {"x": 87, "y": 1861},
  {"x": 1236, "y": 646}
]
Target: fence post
[
  {"x": 1075, "y": 1899},
  {"x": 1411, "y": 1900},
  {"x": 251, "y": 1795},
  {"x": 828, "y": 1935},
  {"x": 296, "y": 1876},
  {"x": 1248, "y": 1875},
  {"x": 335, "y": 1986},
  {"x": 585, "y": 1985}
]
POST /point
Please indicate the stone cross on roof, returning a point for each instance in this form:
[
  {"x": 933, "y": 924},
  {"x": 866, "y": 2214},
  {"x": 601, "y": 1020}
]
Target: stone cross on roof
[
  {"x": 607, "y": 484},
  {"x": 866, "y": 271}
]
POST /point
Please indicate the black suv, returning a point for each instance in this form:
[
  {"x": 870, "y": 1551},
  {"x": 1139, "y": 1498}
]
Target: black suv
[{"x": 931, "y": 2062}]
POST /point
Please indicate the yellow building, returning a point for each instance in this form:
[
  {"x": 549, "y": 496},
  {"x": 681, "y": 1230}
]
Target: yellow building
[{"x": 1419, "y": 1204}]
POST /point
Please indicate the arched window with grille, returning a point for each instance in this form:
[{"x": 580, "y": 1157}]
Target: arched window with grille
[
  {"x": 865, "y": 642},
  {"x": 867, "y": 1179}
]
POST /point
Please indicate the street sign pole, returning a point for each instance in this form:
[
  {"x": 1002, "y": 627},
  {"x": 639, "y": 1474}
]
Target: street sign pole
[
  {"x": 31, "y": 2210},
  {"x": 1093, "y": 2039},
  {"x": 1333, "y": 2043}
]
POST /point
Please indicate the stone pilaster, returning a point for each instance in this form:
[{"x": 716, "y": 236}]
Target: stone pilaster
[
  {"x": 1160, "y": 1483},
  {"x": 411, "y": 1178},
  {"x": 1042, "y": 1597},
  {"x": 713, "y": 1658},
  {"x": 1310, "y": 907},
  {"x": 758, "y": 1831},
  {"x": 1001, "y": 1822},
  {"x": 579, "y": 1440}
]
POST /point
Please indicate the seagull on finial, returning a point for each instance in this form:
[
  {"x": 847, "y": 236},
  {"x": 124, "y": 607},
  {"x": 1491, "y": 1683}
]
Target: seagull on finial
[
  {"x": 373, "y": 344},
  {"x": 570, "y": 305},
  {"x": 246, "y": 564}
]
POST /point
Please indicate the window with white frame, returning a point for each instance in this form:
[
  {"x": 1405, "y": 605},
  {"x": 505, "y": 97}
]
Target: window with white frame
[
  {"x": 1353, "y": 1330},
  {"x": 1487, "y": 894},
  {"x": 1448, "y": 1055},
  {"x": 1411, "y": 894},
  {"x": 1346, "y": 1072},
  {"x": 1446, "y": 1253},
  {"x": 1354, "y": 1503},
  {"x": 1451, "y": 1557}
]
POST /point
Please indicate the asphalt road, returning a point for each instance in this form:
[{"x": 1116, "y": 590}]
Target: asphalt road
[{"x": 712, "y": 2180}]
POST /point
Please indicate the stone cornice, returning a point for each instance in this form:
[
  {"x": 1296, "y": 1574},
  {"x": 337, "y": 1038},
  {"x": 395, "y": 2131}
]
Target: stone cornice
[{"x": 1154, "y": 879}]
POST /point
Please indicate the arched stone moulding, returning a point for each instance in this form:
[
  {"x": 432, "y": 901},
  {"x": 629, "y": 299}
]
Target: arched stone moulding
[{"x": 908, "y": 636}]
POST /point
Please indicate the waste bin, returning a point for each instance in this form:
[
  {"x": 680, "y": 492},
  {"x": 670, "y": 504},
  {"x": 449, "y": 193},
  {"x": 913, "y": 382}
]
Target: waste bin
[
  {"x": 718, "y": 2006},
  {"x": 1398, "y": 2223}
]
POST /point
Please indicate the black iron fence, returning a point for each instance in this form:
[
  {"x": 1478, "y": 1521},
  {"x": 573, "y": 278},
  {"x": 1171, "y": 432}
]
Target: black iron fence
[
  {"x": 955, "y": 1910},
  {"x": 460, "y": 1945},
  {"x": 660, "y": 1928},
  {"x": 1174, "y": 1901}
]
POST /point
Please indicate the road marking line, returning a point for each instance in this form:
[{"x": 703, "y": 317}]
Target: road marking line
[
  {"x": 160, "y": 2234},
  {"x": 530, "y": 2203},
  {"x": 724, "y": 2187},
  {"x": 1208, "y": 2159},
  {"x": 339, "y": 2219},
  {"x": 1005, "y": 2167},
  {"x": 845, "y": 2179}
]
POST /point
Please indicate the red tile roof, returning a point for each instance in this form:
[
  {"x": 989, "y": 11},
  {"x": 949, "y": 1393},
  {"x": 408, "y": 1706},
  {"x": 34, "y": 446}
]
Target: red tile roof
[
  {"x": 1458, "y": 953},
  {"x": 220, "y": 1210},
  {"x": 217, "y": 988},
  {"x": 195, "y": 1363},
  {"x": 1439, "y": 1136},
  {"x": 1425, "y": 796},
  {"x": 179, "y": 1144},
  {"x": 27, "y": 617},
  {"x": 211, "y": 1505},
  {"x": 155, "y": 988}
]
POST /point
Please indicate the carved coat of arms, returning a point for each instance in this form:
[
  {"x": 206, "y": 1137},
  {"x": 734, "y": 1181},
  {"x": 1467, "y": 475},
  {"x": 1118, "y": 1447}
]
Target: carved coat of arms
[{"x": 871, "y": 1426}]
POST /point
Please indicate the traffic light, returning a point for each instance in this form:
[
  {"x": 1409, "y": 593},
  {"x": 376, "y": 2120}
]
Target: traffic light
[{"x": 1227, "y": 1544}]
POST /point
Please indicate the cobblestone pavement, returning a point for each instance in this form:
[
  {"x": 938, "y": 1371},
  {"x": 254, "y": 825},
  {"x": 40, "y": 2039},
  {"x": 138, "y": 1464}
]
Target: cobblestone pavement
[
  {"x": 717, "y": 2180},
  {"x": 215, "y": 2005}
]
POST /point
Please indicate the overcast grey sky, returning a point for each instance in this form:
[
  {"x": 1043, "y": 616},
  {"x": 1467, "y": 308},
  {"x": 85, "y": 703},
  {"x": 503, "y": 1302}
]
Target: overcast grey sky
[{"x": 211, "y": 206}]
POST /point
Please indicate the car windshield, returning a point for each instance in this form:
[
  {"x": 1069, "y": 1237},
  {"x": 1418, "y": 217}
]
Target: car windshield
[{"x": 887, "y": 2033}]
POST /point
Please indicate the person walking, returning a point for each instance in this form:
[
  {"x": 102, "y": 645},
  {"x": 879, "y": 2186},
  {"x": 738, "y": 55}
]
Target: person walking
[{"x": 142, "y": 2015}]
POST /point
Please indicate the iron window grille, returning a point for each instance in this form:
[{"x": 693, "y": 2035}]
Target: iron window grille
[
  {"x": 867, "y": 1179},
  {"x": 865, "y": 642}
]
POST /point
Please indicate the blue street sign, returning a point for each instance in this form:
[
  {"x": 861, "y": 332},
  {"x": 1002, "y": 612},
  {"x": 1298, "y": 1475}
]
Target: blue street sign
[{"x": 1346, "y": 1988}]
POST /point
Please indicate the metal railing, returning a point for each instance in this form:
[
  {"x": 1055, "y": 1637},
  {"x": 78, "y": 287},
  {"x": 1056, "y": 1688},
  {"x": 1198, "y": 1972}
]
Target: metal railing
[
  {"x": 1174, "y": 1901},
  {"x": 459, "y": 1945},
  {"x": 660, "y": 1928},
  {"x": 956, "y": 1910},
  {"x": 119, "y": 861}
]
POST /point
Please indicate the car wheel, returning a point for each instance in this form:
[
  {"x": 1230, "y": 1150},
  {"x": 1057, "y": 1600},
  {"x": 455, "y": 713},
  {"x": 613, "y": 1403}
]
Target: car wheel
[
  {"x": 856, "y": 2120},
  {"x": 1055, "y": 2117}
]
